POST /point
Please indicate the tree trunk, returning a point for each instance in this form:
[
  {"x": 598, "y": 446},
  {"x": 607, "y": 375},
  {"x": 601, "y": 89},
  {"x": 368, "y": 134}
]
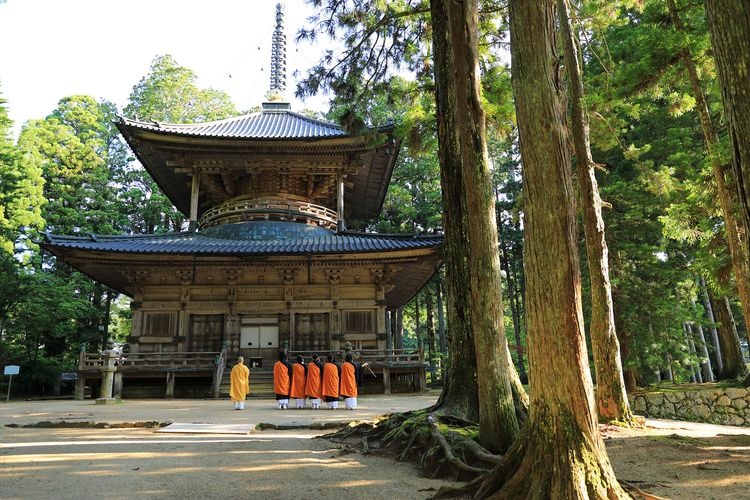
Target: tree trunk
[
  {"x": 430, "y": 311},
  {"x": 611, "y": 399},
  {"x": 512, "y": 296},
  {"x": 417, "y": 334},
  {"x": 718, "y": 365},
  {"x": 729, "y": 25},
  {"x": 695, "y": 373},
  {"x": 398, "y": 333},
  {"x": 630, "y": 371},
  {"x": 670, "y": 375},
  {"x": 441, "y": 318},
  {"x": 388, "y": 330},
  {"x": 560, "y": 453},
  {"x": 731, "y": 352},
  {"x": 706, "y": 368},
  {"x": 463, "y": 160}
]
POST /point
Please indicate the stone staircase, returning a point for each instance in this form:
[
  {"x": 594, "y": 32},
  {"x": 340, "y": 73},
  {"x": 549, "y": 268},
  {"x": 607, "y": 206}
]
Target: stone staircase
[{"x": 261, "y": 383}]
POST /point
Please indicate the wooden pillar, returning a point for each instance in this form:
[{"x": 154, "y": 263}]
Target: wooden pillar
[
  {"x": 182, "y": 328},
  {"x": 292, "y": 330},
  {"x": 381, "y": 327},
  {"x": 136, "y": 326},
  {"x": 194, "y": 193},
  {"x": 170, "y": 385},
  {"x": 340, "y": 201},
  {"x": 386, "y": 380}
]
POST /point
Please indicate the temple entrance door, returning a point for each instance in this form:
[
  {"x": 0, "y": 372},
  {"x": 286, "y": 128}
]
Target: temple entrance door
[
  {"x": 259, "y": 340},
  {"x": 311, "y": 332},
  {"x": 206, "y": 332}
]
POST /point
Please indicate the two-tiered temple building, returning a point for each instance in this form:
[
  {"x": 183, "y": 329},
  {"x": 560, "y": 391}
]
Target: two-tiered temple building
[{"x": 266, "y": 262}]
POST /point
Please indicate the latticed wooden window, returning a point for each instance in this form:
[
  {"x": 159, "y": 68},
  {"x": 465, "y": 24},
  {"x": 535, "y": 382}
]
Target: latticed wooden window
[
  {"x": 160, "y": 324},
  {"x": 358, "y": 322}
]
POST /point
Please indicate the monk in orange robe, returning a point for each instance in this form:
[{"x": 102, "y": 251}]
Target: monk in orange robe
[
  {"x": 282, "y": 376},
  {"x": 239, "y": 383},
  {"x": 331, "y": 376},
  {"x": 314, "y": 382},
  {"x": 350, "y": 378},
  {"x": 299, "y": 377}
]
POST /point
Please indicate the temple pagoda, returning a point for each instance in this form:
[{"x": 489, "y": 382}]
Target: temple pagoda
[{"x": 266, "y": 261}]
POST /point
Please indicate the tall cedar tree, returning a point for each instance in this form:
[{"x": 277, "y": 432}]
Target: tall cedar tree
[
  {"x": 729, "y": 25},
  {"x": 380, "y": 36},
  {"x": 736, "y": 233},
  {"x": 471, "y": 253},
  {"x": 611, "y": 399},
  {"x": 560, "y": 453}
]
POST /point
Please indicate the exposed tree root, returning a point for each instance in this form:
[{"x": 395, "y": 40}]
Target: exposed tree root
[{"x": 443, "y": 446}]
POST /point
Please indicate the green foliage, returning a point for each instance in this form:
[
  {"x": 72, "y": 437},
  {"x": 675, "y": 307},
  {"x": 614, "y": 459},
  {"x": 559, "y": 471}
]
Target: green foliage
[
  {"x": 73, "y": 171},
  {"x": 21, "y": 185},
  {"x": 169, "y": 93}
]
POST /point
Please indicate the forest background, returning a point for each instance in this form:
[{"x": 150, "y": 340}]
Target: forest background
[{"x": 675, "y": 295}]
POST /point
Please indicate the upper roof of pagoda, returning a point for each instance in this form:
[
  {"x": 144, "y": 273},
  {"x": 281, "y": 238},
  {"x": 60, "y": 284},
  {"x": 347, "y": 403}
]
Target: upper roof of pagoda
[
  {"x": 269, "y": 142},
  {"x": 275, "y": 121}
]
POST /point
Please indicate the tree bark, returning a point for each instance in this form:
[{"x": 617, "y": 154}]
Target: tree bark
[
  {"x": 611, "y": 399},
  {"x": 706, "y": 368},
  {"x": 718, "y": 364},
  {"x": 441, "y": 318},
  {"x": 512, "y": 296},
  {"x": 733, "y": 363},
  {"x": 729, "y": 25},
  {"x": 398, "y": 332},
  {"x": 464, "y": 160},
  {"x": 430, "y": 311},
  {"x": 560, "y": 453},
  {"x": 695, "y": 373}
]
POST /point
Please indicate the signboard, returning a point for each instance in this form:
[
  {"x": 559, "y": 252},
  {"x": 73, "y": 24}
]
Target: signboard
[{"x": 12, "y": 369}]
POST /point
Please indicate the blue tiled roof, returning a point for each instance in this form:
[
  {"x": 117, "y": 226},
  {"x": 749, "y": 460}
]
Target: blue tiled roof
[
  {"x": 267, "y": 124},
  {"x": 197, "y": 243}
]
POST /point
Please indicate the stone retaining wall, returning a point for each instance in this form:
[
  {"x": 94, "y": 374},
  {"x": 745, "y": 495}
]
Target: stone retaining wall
[{"x": 727, "y": 406}]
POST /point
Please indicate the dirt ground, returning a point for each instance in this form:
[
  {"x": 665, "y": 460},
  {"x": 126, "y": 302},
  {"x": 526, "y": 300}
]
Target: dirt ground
[
  {"x": 678, "y": 460},
  {"x": 665, "y": 458}
]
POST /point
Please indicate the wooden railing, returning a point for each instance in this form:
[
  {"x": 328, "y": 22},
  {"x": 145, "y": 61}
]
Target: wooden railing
[
  {"x": 247, "y": 209},
  {"x": 155, "y": 360},
  {"x": 391, "y": 358}
]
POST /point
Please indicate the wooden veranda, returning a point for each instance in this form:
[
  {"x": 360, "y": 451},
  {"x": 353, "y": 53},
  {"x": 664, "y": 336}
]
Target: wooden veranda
[{"x": 170, "y": 366}]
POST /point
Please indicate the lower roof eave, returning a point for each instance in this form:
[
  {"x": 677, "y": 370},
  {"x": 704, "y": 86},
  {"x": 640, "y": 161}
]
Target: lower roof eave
[{"x": 112, "y": 268}]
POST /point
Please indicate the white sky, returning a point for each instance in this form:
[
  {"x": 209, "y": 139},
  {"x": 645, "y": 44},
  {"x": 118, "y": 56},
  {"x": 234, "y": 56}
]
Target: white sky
[{"x": 50, "y": 49}]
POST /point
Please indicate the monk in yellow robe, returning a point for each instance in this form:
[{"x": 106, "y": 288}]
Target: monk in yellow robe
[{"x": 239, "y": 383}]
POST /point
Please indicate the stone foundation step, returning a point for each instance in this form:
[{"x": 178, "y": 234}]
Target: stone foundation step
[{"x": 261, "y": 383}]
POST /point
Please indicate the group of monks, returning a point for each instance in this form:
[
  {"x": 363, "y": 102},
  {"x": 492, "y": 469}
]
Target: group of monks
[{"x": 299, "y": 381}]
